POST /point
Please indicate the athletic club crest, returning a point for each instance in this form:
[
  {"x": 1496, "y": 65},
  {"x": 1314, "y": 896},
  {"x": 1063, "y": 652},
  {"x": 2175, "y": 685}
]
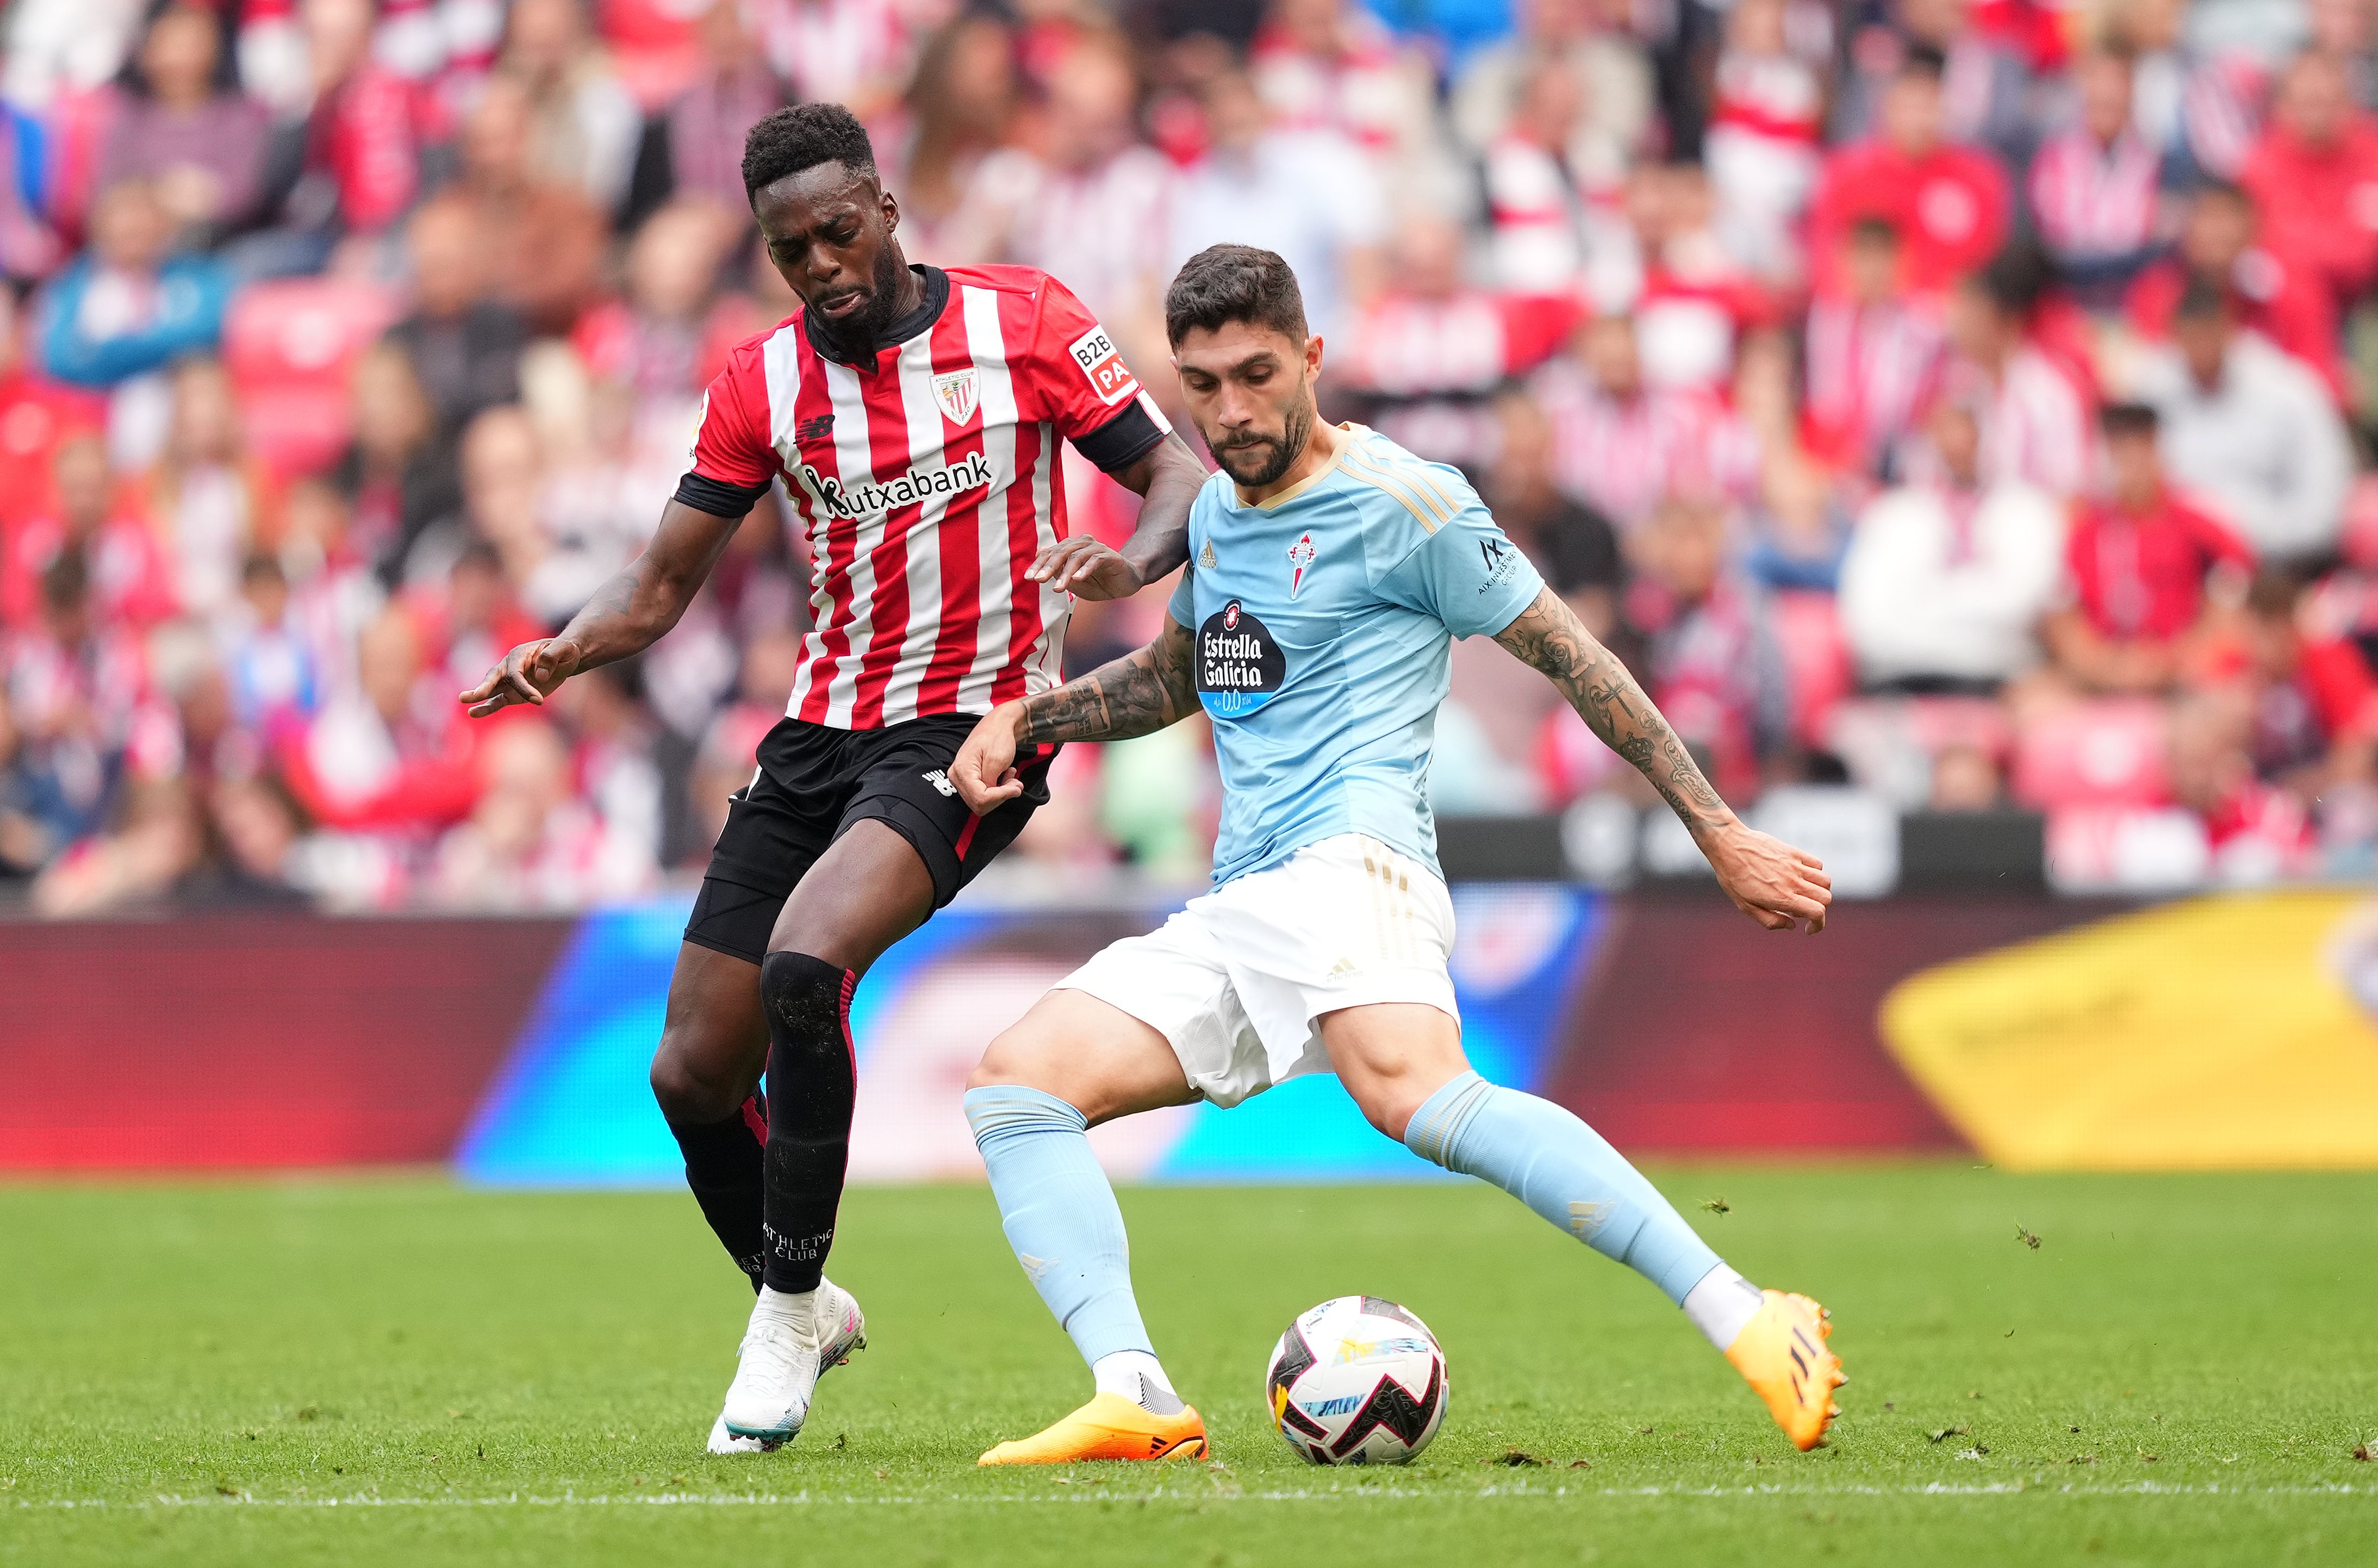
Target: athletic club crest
[
  {"x": 958, "y": 392},
  {"x": 1300, "y": 556}
]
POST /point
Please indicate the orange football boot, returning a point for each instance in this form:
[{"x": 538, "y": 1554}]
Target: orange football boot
[
  {"x": 1782, "y": 1354},
  {"x": 1108, "y": 1427}
]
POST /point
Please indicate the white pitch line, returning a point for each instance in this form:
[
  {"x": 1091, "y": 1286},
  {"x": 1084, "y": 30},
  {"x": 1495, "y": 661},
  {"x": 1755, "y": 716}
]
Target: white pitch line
[{"x": 1092, "y": 1494}]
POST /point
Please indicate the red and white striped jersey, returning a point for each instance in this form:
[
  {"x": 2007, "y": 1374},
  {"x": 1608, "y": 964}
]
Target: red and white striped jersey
[
  {"x": 1871, "y": 370},
  {"x": 2092, "y": 201},
  {"x": 928, "y": 476},
  {"x": 1624, "y": 456}
]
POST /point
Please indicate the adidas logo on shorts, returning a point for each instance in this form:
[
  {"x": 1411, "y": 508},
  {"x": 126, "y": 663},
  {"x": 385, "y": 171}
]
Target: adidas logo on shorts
[{"x": 941, "y": 780}]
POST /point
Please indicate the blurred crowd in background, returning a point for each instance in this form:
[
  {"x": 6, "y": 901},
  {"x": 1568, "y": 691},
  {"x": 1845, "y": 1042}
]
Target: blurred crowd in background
[{"x": 1963, "y": 403}]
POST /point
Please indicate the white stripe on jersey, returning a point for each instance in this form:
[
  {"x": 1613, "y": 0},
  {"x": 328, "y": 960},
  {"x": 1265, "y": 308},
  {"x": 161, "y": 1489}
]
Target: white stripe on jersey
[
  {"x": 996, "y": 394},
  {"x": 781, "y": 358},
  {"x": 924, "y": 538},
  {"x": 856, "y": 461}
]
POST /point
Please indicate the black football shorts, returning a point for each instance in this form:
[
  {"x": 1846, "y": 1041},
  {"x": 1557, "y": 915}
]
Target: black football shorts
[{"x": 813, "y": 782}]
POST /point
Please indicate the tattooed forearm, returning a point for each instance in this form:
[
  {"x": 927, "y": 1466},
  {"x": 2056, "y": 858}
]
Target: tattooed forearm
[
  {"x": 1136, "y": 694},
  {"x": 1549, "y": 636}
]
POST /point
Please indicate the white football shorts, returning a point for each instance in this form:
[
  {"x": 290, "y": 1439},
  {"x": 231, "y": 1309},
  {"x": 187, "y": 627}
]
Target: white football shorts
[{"x": 1236, "y": 980}]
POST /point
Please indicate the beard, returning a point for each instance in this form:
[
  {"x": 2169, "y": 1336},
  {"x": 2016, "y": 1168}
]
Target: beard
[
  {"x": 1270, "y": 456},
  {"x": 883, "y": 295}
]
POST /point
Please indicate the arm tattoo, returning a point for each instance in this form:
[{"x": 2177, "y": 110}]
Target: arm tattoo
[
  {"x": 1137, "y": 695},
  {"x": 1548, "y": 636}
]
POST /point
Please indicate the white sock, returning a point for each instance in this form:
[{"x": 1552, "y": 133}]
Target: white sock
[
  {"x": 1138, "y": 1376},
  {"x": 1722, "y": 1306},
  {"x": 791, "y": 1309}
]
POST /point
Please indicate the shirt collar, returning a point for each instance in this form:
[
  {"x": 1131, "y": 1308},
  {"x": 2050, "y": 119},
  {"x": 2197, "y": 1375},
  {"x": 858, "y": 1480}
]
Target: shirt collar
[
  {"x": 1347, "y": 429},
  {"x": 936, "y": 298}
]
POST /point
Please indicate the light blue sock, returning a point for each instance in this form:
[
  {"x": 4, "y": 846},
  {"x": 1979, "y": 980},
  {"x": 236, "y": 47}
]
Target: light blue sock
[
  {"x": 1059, "y": 1215},
  {"x": 1563, "y": 1169}
]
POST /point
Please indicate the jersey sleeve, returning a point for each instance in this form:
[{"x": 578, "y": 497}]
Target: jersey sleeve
[
  {"x": 1182, "y": 605},
  {"x": 732, "y": 463},
  {"x": 1467, "y": 572},
  {"x": 1077, "y": 380}
]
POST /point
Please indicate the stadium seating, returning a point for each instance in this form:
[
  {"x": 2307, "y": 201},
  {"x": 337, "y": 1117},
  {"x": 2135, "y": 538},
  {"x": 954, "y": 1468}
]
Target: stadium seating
[
  {"x": 289, "y": 345},
  {"x": 2097, "y": 754},
  {"x": 1816, "y": 657}
]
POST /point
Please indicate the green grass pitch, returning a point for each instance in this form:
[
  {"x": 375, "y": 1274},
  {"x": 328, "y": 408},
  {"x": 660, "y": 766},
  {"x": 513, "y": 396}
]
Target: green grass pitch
[{"x": 366, "y": 1371}]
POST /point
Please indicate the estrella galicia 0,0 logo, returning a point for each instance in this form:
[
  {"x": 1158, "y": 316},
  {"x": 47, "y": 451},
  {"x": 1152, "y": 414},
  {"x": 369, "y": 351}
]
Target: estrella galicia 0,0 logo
[{"x": 1239, "y": 665}]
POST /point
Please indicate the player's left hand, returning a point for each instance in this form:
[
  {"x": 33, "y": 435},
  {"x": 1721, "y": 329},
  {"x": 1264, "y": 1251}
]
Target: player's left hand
[
  {"x": 1778, "y": 885},
  {"x": 984, "y": 770},
  {"x": 1087, "y": 569}
]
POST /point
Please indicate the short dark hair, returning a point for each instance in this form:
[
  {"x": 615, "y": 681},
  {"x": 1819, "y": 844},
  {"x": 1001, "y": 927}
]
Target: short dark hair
[
  {"x": 2223, "y": 190},
  {"x": 2204, "y": 299},
  {"x": 802, "y": 138},
  {"x": 2129, "y": 419},
  {"x": 1233, "y": 283},
  {"x": 2017, "y": 278},
  {"x": 2273, "y": 593},
  {"x": 66, "y": 581},
  {"x": 1924, "y": 60},
  {"x": 479, "y": 555},
  {"x": 1874, "y": 229}
]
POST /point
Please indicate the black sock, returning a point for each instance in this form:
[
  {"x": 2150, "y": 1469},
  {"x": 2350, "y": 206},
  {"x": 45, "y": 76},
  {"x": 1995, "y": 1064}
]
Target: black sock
[
  {"x": 812, "y": 1080},
  {"x": 723, "y": 1166}
]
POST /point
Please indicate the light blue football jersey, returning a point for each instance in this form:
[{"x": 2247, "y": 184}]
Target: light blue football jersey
[{"x": 1323, "y": 621}]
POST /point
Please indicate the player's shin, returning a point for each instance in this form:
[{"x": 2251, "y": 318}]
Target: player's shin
[
  {"x": 724, "y": 1162},
  {"x": 1563, "y": 1169},
  {"x": 813, "y": 1081},
  {"x": 1566, "y": 1172},
  {"x": 1059, "y": 1214}
]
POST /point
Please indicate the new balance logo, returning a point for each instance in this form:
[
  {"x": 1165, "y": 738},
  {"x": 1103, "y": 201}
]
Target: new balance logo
[
  {"x": 941, "y": 780},
  {"x": 816, "y": 428}
]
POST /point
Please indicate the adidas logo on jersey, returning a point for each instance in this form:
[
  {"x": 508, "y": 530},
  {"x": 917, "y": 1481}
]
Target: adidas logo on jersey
[
  {"x": 941, "y": 780},
  {"x": 1206, "y": 562},
  {"x": 916, "y": 485}
]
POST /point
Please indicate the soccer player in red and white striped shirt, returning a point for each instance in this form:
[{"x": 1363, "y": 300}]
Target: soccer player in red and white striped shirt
[{"x": 913, "y": 416}]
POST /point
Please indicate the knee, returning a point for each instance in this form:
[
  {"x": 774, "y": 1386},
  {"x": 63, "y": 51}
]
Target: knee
[
  {"x": 805, "y": 999},
  {"x": 687, "y": 1095},
  {"x": 1388, "y": 1105},
  {"x": 1008, "y": 1059}
]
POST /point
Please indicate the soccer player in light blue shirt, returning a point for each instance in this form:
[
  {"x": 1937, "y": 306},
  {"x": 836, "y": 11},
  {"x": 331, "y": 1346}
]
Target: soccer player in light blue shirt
[{"x": 1329, "y": 572}]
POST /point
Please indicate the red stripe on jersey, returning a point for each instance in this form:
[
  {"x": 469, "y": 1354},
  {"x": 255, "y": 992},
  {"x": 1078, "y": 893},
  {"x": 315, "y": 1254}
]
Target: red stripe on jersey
[
  {"x": 887, "y": 442},
  {"x": 960, "y": 538},
  {"x": 830, "y": 643}
]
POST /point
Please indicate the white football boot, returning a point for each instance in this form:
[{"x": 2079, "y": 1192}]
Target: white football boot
[
  {"x": 724, "y": 1442},
  {"x": 779, "y": 1367}
]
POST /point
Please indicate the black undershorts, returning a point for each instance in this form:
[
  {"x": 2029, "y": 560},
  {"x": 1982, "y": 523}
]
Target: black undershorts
[{"x": 813, "y": 782}]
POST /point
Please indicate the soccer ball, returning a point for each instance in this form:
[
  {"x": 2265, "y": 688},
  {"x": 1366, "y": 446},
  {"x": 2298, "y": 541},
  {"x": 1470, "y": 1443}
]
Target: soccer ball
[{"x": 1357, "y": 1381}]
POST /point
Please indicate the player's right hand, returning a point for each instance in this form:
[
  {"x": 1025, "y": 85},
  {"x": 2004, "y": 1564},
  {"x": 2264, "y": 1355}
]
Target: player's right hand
[
  {"x": 526, "y": 675},
  {"x": 1780, "y": 887},
  {"x": 984, "y": 770}
]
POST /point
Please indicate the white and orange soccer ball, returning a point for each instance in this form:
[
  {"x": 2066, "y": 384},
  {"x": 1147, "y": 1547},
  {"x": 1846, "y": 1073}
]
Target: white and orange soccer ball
[{"x": 1357, "y": 1381}]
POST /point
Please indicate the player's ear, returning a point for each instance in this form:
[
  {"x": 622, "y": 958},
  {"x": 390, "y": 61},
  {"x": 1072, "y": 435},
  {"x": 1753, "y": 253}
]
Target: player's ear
[
  {"x": 891, "y": 208},
  {"x": 1313, "y": 354}
]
